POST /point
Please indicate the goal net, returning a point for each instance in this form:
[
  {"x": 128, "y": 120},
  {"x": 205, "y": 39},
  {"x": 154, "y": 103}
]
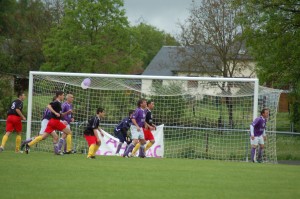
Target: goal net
[{"x": 204, "y": 118}]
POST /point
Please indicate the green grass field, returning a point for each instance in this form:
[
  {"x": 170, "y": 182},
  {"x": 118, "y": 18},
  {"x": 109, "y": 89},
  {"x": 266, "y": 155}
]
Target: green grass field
[{"x": 44, "y": 175}]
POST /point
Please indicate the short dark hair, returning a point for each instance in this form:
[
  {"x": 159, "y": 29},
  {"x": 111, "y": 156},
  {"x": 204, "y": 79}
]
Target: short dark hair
[
  {"x": 100, "y": 110},
  {"x": 140, "y": 101},
  {"x": 149, "y": 102},
  {"x": 54, "y": 98},
  {"x": 130, "y": 112},
  {"x": 58, "y": 93},
  {"x": 263, "y": 111},
  {"x": 20, "y": 93}
]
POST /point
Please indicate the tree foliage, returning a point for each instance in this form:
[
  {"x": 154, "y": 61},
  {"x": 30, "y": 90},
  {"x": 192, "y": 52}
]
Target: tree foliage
[
  {"x": 94, "y": 36},
  {"x": 272, "y": 29},
  {"x": 150, "y": 39}
]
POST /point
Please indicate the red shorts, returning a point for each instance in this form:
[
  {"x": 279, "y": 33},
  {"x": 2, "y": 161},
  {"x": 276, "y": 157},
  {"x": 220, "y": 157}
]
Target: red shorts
[
  {"x": 91, "y": 139},
  {"x": 148, "y": 134},
  {"x": 54, "y": 124},
  {"x": 13, "y": 122}
]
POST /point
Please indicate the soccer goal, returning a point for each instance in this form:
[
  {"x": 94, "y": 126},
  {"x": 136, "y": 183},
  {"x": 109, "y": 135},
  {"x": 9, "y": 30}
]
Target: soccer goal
[{"x": 203, "y": 117}]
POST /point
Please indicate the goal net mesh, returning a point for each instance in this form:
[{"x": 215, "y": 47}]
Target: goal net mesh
[{"x": 202, "y": 119}]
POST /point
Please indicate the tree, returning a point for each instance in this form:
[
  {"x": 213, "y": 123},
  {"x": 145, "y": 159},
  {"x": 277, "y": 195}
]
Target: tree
[
  {"x": 150, "y": 39},
  {"x": 23, "y": 25},
  {"x": 272, "y": 29},
  {"x": 212, "y": 43},
  {"x": 94, "y": 36}
]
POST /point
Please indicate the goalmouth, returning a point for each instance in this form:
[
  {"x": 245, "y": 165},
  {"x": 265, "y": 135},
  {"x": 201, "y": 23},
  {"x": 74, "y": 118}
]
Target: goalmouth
[{"x": 203, "y": 117}]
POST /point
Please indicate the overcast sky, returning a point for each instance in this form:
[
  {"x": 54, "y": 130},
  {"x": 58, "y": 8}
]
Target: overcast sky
[{"x": 163, "y": 14}]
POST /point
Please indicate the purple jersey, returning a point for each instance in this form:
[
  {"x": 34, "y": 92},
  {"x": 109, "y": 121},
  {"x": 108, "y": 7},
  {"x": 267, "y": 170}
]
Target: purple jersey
[
  {"x": 65, "y": 108},
  {"x": 139, "y": 116},
  {"x": 259, "y": 125}
]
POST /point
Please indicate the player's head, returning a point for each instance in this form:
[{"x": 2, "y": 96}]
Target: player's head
[
  {"x": 69, "y": 98},
  {"x": 150, "y": 104},
  {"x": 265, "y": 113},
  {"x": 130, "y": 113},
  {"x": 21, "y": 95},
  {"x": 100, "y": 112},
  {"x": 54, "y": 98},
  {"x": 60, "y": 95},
  {"x": 142, "y": 103}
]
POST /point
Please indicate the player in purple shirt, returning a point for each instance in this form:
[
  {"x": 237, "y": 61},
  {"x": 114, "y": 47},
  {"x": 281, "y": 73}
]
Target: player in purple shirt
[
  {"x": 67, "y": 115},
  {"x": 137, "y": 134},
  {"x": 258, "y": 135}
]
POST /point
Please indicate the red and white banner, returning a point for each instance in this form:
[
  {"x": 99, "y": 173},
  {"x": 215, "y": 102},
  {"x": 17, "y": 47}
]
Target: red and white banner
[{"x": 109, "y": 144}]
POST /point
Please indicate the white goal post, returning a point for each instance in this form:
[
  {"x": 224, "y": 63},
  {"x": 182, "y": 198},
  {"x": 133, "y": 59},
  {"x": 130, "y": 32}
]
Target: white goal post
[{"x": 203, "y": 117}]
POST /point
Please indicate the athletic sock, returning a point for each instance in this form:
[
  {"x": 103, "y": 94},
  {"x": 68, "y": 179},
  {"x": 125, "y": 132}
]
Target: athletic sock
[
  {"x": 91, "y": 150},
  {"x": 69, "y": 142},
  {"x": 36, "y": 140},
  {"x": 148, "y": 146},
  {"x": 18, "y": 142},
  {"x": 4, "y": 140},
  {"x": 60, "y": 144},
  {"x": 129, "y": 149},
  {"x": 137, "y": 146},
  {"x": 119, "y": 147},
  {"x": 253, "y": 150},
  {"x": 142, "y": 151},
  {"x": 260, "y": 153},
  {"x": 96, "y": 147}
]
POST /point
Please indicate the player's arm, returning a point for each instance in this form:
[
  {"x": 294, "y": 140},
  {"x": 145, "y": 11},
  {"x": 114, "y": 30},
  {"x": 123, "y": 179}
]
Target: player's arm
[
  {"x": 52, "y": 110},
  {"x": 20, "y": 114},
  {"x": 265, "y": 135},
  {"x": 100, "y": 130},
  {"x": 252, "y": 132},
  {"x": 135, "y": 123},
  {"x": 148, "y": 126},
  {"x": 96, "y": 134}
]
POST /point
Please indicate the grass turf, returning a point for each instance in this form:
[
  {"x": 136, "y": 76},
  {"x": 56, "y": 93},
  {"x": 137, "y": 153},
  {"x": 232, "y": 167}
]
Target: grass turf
[{"x": 44, "y": 175}]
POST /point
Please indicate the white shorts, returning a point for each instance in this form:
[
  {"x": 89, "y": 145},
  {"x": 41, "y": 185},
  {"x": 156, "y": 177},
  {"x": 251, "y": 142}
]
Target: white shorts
[
  {"x": 257, "y": 140},
  {"x": 135, "y": 134},
  {"x": 44, "y": 123}
]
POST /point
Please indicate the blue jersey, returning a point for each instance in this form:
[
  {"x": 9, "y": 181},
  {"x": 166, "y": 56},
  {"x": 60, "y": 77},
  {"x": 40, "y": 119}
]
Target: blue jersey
[{"x": 124, "y": 125}]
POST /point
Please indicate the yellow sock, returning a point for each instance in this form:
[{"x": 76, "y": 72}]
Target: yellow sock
[
  {"x": 36, "y": 140},
  {"x": 91, "y": 150},
  {"x": 96, "y": 149},
  {"x": 148, "y": 146},
  {"x": 4, "y": 140},
  {"x": 69, "y": 142},
  {"x": 137, "y": 146},
  {"x": 18, "y": 142}
]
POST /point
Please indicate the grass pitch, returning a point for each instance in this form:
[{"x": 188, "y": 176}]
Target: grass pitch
[{"x": 44, "y": 175}]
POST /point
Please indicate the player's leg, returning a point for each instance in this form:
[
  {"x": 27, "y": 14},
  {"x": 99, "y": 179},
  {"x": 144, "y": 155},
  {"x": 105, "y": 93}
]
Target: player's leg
[
  {"x": 149, "y": 136},
  {"x": 142, "y": 142},
  {"x": 36, "y": 140},
  {"x": 91, "y": 140},
  {"x": 9, "y": 128},
  {"x": 68, "y": 143},
  {"x": 62, "y": 127},
  {"x": 96, "y": 147},
  {"x": 254, "y": 144},
  {"x": 135, "y": 137},
  {"x": 55, "y": 143},
  {"x": 261, "y": 149},
  {"x": 44, "y": 123},
  {"x": 122, "y": 138},
  {"x": 136, "y": 148},
  {"x": 18, "y": 128}
]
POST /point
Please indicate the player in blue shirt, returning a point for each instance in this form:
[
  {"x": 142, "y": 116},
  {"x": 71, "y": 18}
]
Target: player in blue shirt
[
  {"x": 258, "y": 135},
  {"x": 121, "y": 131}
]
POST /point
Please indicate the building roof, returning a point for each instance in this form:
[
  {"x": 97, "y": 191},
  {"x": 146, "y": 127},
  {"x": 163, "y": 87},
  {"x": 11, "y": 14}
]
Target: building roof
[{"x": 170, "y": 60}]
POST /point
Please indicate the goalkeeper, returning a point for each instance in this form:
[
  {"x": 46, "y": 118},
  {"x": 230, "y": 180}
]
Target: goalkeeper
[
  {"x": 121, "y": 131},
  {"x": 258, "y": 135}
]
